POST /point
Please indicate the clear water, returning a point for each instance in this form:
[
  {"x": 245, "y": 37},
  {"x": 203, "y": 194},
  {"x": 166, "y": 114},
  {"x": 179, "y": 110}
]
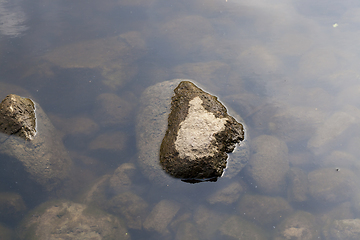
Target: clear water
[{"x": 289, "y": 68}]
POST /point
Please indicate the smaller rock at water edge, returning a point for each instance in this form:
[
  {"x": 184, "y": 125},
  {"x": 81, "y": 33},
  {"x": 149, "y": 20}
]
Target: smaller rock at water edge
[
  {"x": 331, "y": 186},
  {"x": 348, "y": 229},
  {"x": 298, "y": 189},
  {"x": 237, "y": 228},
  {"x": 68, "y": 220},
  {"x": 228, "y": 195},
  {"x": 161, "y": 215},
  {"x": 18, "y": 117},
  {"x": 268, "y": 165},
  {"x": 298, "y": 226},
  {"x": 132, "y": 207},
  {"x": 253, "y": 207},
  {"x": 200, "y": 134},
  {"x": 30, "y": 141}
]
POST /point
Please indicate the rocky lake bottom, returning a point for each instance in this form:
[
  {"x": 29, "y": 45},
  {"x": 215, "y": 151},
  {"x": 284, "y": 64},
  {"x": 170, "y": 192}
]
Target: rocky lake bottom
[{"x": 288, "y": 70}]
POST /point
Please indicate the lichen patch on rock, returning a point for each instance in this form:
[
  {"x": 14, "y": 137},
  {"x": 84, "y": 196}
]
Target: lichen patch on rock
[{"x": 197, "y": 132}]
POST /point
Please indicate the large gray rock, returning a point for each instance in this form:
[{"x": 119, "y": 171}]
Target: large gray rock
[
  {"x": 68, "y": 220},
  {"x": 152, "y": 123},
  {"x": 29, "y": 140}
]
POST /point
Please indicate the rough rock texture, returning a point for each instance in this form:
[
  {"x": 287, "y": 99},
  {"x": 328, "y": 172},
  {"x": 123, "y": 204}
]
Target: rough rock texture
[
  {"x": 42, "y": 155},
  {"x": 68, "y": 220},
  {"x": 18, "y": 117},
  {"x": 152, "y": 122},
  {"x": 199, "y": 134}
]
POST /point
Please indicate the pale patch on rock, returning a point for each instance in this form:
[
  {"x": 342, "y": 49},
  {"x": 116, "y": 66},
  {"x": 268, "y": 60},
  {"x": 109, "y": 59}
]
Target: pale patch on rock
[{"x": 197, "y": 132}]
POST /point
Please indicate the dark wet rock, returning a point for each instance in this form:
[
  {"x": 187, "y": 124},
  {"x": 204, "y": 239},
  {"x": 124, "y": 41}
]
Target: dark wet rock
[
  {"x": 348, "y": 229},
  {"x": 152, "y": 122},
  {"x": 199, "y": 134},
  {"x": 299, "y": 226},
  {"x": 68, "y": 220},
  {"x": 330, "y": 185},
  {"x": 161, "y": 215},
  {"x": 132, "y": 207},
  {"x": 238, "y": 228},
  {"x": 268, "y": 164},
  {"x": 267, "y": 211},
  {"x": 40, "y": 154},
  {"x": 298, "y": 189},
  {"x": 12, "y": 206},
  {"x": 228, "y": 195}
]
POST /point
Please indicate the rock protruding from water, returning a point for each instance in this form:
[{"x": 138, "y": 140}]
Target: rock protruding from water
[
  {"x": 31, "y": 148},
  {"x": 200, "y": 133},
  {"x": 17, "y": 117}
]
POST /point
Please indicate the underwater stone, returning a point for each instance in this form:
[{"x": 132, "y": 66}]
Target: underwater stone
[{"x": 199, "y": 134}]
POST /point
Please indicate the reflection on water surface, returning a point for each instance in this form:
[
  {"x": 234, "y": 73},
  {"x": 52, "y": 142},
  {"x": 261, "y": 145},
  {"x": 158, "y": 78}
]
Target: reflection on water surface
[{"x": 288, "y": 68}]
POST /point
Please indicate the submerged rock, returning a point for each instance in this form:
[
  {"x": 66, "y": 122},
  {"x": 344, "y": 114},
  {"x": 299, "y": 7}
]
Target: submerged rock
[
  {"x": 68, "y": 220},
  {"x": 194, "y": 133},
  {"x": 30, "y": 141}
]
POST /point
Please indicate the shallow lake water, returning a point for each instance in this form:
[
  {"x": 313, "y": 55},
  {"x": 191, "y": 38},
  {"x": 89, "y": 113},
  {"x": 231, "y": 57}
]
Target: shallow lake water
[{"x": 288, "y": 68}]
